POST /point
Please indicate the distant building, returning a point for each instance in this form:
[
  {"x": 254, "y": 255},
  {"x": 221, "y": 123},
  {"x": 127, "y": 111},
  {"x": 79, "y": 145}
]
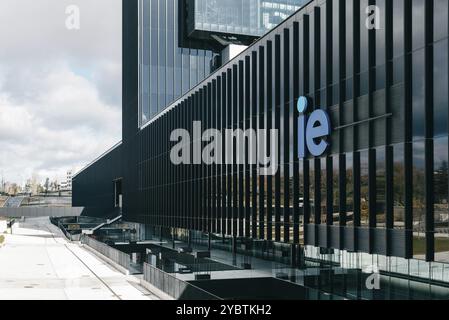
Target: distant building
[
  {"x": 67, "y": 184},
  {"x": 69, "y": 179},
  {"x": 32, "y": 185},
  {"x": 12, "y": 188}
]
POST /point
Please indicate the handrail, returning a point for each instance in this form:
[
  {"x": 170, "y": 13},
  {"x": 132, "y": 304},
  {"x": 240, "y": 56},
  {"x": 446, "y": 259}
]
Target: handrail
[
  {"x": 101, "y": 225},
  {"x": 148, "y": 269},
  {"x": 119, "y": 257}
]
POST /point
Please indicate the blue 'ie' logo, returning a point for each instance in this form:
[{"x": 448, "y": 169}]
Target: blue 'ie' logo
[{"x": 312, "y": 130}]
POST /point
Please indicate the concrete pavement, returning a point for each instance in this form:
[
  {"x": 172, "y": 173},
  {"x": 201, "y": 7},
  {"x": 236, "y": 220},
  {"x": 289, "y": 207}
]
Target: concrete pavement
[{"x": 38, "y": 263}]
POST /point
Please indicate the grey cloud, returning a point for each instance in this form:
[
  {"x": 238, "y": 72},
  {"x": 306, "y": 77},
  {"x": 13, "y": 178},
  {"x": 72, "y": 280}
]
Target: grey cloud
[{"x": 60, "y": 90}]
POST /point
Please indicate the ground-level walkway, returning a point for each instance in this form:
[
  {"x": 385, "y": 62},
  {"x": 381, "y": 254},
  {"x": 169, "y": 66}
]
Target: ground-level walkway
[{"x": 37, "y": 262}]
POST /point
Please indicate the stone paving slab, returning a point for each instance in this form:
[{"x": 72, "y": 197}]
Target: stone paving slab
[{"x": 38, "y": 263}]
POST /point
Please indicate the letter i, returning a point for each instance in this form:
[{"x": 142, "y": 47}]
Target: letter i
[{"x": 302, "y": 119}]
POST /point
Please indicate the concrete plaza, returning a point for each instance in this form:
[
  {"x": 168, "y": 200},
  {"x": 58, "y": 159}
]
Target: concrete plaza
[{"x": 37, "y": 262}]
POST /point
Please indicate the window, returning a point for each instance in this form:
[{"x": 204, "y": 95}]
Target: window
[
  {"x": 419, "y": 200},
  {"x": 440, "y": 19},
  {"x": 418, "y": 23},
  {"x": 441, "y": 193},
  {"x": 166, "y": 71},
  {"x": 118, "y": 193},
  {"x": 323, "y": 189},
  {"x": 349, "y": 20},
  {"x": 418, "y": 95},
  {"x": 349, "y": 189},
  {"x": 380, "y": 188},
  {"x": 440, "y": 75},
  {"x": 252, "y": 17},
  {"x": 398, "y": 27},
  {"x": 312, "y": 190},
  {"x": 364, "y": 189},
  {"x": 399, "y": 186},
  {"x": 335, "y": 191}
]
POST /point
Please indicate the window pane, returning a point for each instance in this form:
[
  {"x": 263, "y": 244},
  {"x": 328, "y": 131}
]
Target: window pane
[
  {"x": 364, "y": 189},
  {"x": 440, "y": 74},
  {"x": 398, "y": 186},
  {"x": 418, "y": 23},
  {"x": 312, "y": 190},
  {"x": 336, "y": 193},
  {"x": 418, "y": 95},
  {"x": 349, "y": 189},
  {"x": 419, "y": 217},
  {"x": 380, "y": 188},
  {"x": 441, "y": 205},
  {"x": 440, "y": 19},
  {"x": 349, "y": 38},
  {"x": 323, "y": 189},
  {"x": 398, "y": 27},
  {"x": 364, "y": 39}
]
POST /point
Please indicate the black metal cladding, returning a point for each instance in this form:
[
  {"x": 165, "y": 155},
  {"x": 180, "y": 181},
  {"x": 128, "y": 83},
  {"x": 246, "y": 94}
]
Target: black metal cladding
[
  {"x": 382, "y": 187},
  {"x": 94, "y": 187}
]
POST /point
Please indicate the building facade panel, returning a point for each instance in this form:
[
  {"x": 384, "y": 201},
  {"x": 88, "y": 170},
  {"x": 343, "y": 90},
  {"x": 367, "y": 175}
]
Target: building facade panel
[
  {"x": 376, "y": 102},
  {"x": 95, "y": 188}
]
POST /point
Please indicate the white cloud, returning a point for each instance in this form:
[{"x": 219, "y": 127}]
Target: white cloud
[{"x": 60, "y": 90}]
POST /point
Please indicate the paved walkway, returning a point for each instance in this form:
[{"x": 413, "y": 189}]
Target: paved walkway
[{"x": 37, "y": 262}]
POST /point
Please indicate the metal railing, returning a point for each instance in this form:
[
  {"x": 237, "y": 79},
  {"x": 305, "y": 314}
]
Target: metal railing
[
  {"x": 36, "y": 212},
  {"x": 174, "y": 287},
  {"x": 119, "y": 257}
]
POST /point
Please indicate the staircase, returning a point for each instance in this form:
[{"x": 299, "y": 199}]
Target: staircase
[{"x": 107, "y": 223}]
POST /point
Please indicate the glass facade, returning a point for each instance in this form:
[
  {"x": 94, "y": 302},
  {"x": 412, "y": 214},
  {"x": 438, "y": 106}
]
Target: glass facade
[
  {"x": 245, "y": 17},
  {"x": 166, "y": 71}
]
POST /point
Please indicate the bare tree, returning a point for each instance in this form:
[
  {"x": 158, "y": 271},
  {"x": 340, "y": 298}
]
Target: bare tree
[{"x": 47, "y": 185}]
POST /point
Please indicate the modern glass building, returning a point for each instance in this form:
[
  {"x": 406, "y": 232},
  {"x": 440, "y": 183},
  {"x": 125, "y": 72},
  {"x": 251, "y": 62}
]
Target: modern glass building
[
  {"x": 376, "y": 199},
  {"x": 176, "y": 47},
  {"x": 238, "y": 17},
  {"x": 166, "y": 70}
]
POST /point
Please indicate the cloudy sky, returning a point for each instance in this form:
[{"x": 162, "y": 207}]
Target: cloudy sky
[{"x": 60, "y": 89}]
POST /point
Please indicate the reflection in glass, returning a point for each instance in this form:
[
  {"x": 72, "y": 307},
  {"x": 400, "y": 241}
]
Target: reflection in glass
[
  {"x": 311, "y": 199},
  {"x": 380, "y": 188},
  {"x": 364, "y": 189},
  {"x": 336, "y": 193},
  {"x": 249, "y": 17},
  {"x": 380, "y": 34},
  {"x": 165, "y": 70},
  {"x": 301, "y": 200},
  {"x": 418, "y": 95},
  {"x": 349, "y": 190},
  {"x": 398, "y": 70},
  {"x": 336, "y": 8},
  {"x": 282, "y": 187},
  {"x": 291, "y": 194},
  {"x": 323, "y": 49},
  {"x": 323, "y": 189},
  {"x": 419, "y": 217},
  {"x": 440, "y": 19},
  {"x": 349, "y": 20},
  {"x": 441, "y": 193},
  {"x": 418, "y": 18},
  {"x": 399, "y": 186},
  {"x": 440, "y": 74},
  {"x": 398, "y": 28},
  {"x": 162, "y": 64},
  {"x": 301, "y": 181},
  {"x": 364, "y": 38}
]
